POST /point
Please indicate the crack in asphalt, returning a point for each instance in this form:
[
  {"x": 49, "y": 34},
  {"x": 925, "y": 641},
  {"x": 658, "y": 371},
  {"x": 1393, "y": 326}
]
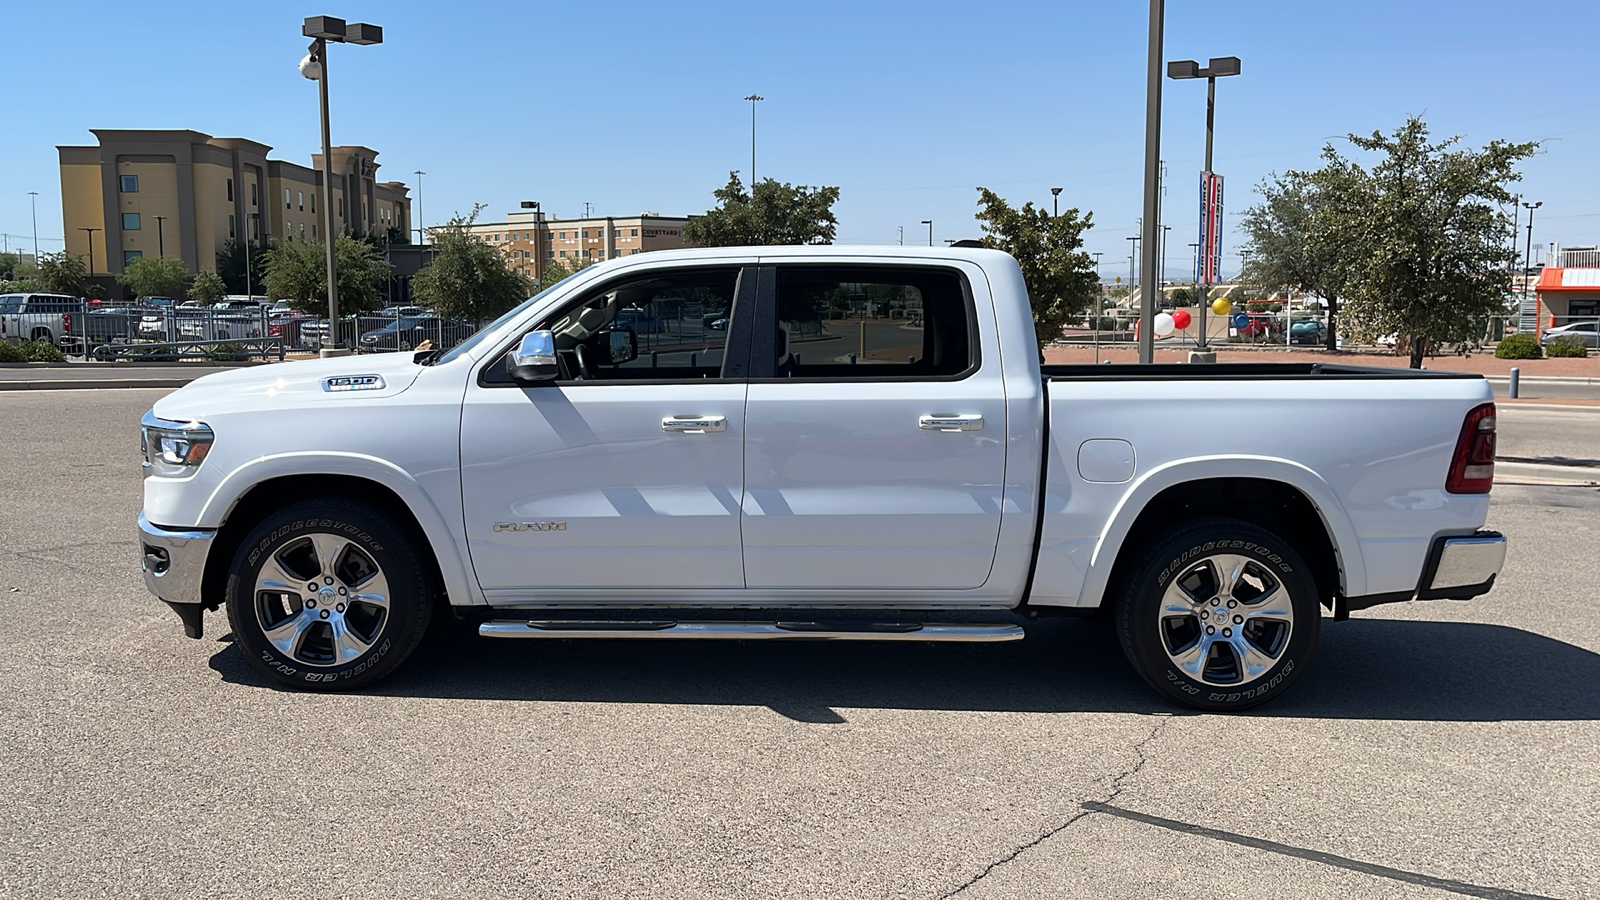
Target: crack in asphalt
[{"x": 1163, "y": 719}]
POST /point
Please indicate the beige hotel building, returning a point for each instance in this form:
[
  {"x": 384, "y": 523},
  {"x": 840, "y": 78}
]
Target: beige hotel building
[
  {"x": 183, "y": 194},
  {"x": 531, "y": 242}
]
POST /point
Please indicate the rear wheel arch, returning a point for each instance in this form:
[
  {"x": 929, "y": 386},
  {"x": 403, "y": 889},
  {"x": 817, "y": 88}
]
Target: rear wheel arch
[{"x": 1277, "y": 506}]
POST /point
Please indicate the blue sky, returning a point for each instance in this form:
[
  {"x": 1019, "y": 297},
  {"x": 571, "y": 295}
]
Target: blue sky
[{"x": 906, "y": 106}]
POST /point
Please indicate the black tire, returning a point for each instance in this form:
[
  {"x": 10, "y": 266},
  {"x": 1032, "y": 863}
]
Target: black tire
[
  {"x": 357, "y": 641},
  {"x": 1171, "y": 649}
]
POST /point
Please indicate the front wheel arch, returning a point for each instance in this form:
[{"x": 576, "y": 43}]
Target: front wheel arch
[{"x": 273, "y": 494}]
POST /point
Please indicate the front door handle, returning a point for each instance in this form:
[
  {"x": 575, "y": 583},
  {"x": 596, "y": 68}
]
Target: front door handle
[
  {"x": 950, "y": 423},
  {"x": 696, "y": 425}
]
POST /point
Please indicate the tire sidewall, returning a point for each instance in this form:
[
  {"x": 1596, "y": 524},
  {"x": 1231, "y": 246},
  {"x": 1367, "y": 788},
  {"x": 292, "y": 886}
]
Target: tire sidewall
[
  {"x": 1139, "y": 614},
  {"x": 389, "y": 548}
]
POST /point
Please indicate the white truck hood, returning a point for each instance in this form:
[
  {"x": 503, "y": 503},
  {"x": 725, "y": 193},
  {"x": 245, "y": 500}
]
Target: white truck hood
[{"x": 275, "y": 386}]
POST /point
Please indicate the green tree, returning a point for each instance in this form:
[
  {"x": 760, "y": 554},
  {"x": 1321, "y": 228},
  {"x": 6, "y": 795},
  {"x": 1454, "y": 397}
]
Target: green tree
[
  {"x": 1435, "y": 264},
  {"x": 231, "y": 264},
  {"x": 771, "y": 213},
  {"x": 63, "y": 273},
  {"x": 297, "y": 271},
  {"x": 1060, "y": 277},
  {"x": 1291, "y": 238},
  {"x": 468, "y": 279},
  {"x": 148, "y": 276},
  {"x": 560, "y": 270},
  {"x": 208, "y": 287},
  {"x": 8, "y": 266}
]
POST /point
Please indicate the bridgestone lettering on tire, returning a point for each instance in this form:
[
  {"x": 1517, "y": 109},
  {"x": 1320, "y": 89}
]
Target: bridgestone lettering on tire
[
  {"x": 1219, "y": 615},
  {"x": 328, "y": 595}
]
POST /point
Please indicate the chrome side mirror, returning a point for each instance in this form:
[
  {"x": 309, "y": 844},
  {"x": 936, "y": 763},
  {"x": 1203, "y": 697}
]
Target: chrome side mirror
[{"x": 534, "y": 360}]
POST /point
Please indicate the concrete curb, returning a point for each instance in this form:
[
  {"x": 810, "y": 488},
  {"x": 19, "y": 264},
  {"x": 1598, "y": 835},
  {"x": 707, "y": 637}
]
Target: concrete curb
[
  {"x": 1544, "y": 473},
  {"x": 94, "y": 384}
]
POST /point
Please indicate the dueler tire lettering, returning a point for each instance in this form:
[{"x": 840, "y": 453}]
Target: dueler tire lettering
[
  {"x": 1138, "y": 601},
  {"x": 388, "y": 544}
]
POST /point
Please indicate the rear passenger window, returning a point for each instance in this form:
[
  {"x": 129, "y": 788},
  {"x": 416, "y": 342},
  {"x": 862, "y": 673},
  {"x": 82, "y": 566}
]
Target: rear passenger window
[{"x": 877, "y": 322}]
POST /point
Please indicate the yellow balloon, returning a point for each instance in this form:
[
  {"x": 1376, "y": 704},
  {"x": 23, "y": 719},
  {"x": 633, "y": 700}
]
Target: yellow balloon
[{"x": 1221, "y": 306}]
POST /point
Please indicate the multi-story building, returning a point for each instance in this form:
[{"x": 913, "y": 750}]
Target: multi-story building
[
  {"x": 531, "y": 241},
  {"x": 184, "y": 194}
]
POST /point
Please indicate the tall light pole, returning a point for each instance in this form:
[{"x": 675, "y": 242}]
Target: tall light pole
[
  {"x": 1216, "y": 67},
  {"x": 34, "y": 199},
  {"x": 754, "y": 99},
  {"x": 422, "y": 234},
  {"x": 902, "y": 235},
  {"x": 315, "y": 67},
  {"x": 1528, "y": 259},
  {"x": 1152, "y": 175},
  {"x": 91, "y": 232},
  {"x": 161, "y": 236},
  {"x": 250, "y": 220},
  {"x": 1055, "y": 202},
  {"x": 929, "y": 223},
  {"x": 1133, "y": 262}
]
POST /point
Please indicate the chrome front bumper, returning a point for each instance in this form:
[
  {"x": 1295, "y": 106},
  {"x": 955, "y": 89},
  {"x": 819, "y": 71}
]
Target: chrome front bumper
[
  {"x": 173, "y": 564},
  {"x": 1463, "y": 566}
]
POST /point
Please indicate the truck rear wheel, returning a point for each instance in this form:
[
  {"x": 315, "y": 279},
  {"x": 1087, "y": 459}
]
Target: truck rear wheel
[
  {"x": 328, "y": 595},
  {"x": 1220, "y": 615}
]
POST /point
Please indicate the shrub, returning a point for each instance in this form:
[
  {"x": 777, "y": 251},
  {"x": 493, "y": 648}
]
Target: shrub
[
  {"x": 42, "y": 351},
  {"x": 9, "y": 352},
  {"x": 227, "y": 353},
  {"x": 1567, "y": 345},
  {"x": 1519, "y": 346}
]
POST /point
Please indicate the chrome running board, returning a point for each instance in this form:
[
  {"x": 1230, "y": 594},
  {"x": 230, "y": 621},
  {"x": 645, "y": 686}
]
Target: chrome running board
[{"x": 663, "y": 629}]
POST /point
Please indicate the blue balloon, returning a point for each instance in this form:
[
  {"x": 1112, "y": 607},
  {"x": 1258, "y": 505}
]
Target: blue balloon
[{"x": 1240, "y": 320}]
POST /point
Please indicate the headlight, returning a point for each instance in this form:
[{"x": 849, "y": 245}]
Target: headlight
[{"x": 173, "y": 449}]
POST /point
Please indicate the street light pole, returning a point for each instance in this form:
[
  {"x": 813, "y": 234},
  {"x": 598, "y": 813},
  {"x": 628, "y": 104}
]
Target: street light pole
[
  {"x": 161, "y": 236},
  {"x": 929, "y": 223},
  {"x": 422, "y": 234},
  {"x": 249, "y": 221},
  {"x": 323, "y": 29},
  {"x": 1217, "y": 67},
  {"x": 754, "y": 99},
  {"x": 1152, "y": 174},
  {"x": 1527, "y": 262},
  {"x": 34, "y": 199},
  {"x": 1055, "y": 202},
  {"x": 91, "y": 232},
  {"x": 1133, "y": 257}
]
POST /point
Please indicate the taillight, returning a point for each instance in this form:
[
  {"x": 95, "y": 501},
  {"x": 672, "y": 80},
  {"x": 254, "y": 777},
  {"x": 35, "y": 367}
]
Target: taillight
[
  {"x": 66, "y": 322},
  {"x": 1472, "y": 469}
]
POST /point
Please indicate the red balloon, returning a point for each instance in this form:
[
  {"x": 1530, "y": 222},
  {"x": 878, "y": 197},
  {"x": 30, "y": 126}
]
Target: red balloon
[{"x": 1180, "y": 318}]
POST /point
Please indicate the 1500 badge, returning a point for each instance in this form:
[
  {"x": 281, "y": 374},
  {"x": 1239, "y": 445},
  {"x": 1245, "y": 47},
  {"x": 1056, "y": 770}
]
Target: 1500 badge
[
  {"x": 530, "y": 526},
  {"x": 340, "y": 383}
]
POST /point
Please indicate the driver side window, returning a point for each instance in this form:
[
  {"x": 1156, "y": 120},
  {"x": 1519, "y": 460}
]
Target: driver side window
[{"x": 675, "y": 321}]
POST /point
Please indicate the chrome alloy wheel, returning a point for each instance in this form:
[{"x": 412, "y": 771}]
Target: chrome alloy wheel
[
  {"x": 321, "y": 600},
  {"x": 1225, "y": 620}
]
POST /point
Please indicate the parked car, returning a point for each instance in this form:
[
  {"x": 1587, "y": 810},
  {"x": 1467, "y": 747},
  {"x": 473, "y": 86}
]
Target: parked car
[
  {"x": 396, "y": 312},
  {"x": 220, "y": 325},
  {"x": 1589, "y": 332},
  {"x": 404, "y": 334},
  {"x": 1260, "y": 325},
  {"x": 287, "y": 327},
  {"x": 1314, "y": 331},
  {"x": 37, "y": 317},
  {"x": 547, "y": 480}
]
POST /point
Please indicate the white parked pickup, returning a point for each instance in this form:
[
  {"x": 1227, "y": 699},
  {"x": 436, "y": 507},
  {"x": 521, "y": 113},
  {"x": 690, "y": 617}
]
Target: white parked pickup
[{"x": 912, "y": 475}]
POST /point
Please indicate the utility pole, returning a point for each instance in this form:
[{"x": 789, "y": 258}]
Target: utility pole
[
  {"x": 1152, "y": 167},
  {"x": 929, "y": 223},
  {"x": 902, "y": 235},
  {"x": 422, "y": 234},
  {"x": 1527, "y": 263}
]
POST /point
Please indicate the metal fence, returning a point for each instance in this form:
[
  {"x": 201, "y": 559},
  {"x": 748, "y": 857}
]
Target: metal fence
[{"x": 115, "y": 332}]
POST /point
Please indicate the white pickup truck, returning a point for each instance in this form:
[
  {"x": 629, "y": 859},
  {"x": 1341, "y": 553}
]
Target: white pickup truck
[{"x": 919, "y": 477}]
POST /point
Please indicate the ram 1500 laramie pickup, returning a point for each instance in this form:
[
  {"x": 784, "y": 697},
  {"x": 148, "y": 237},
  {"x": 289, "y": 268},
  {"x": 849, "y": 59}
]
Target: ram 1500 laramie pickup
[{"x": 845, "y": 443}]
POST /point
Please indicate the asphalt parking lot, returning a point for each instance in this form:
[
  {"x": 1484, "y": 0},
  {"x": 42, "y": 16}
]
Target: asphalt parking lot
[{"x": 1434, "y": 750}]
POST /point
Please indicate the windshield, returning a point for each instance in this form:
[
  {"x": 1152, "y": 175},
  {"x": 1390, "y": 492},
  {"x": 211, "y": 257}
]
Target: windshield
[{"x": 467, "y": 345}]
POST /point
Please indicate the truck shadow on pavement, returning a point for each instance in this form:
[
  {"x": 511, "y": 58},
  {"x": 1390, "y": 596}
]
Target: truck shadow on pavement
[{"x": 1364, "y": 669}]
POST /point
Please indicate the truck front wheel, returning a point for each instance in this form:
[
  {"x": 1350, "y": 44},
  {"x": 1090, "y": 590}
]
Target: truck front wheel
[
  {"x": 1220, "y": 615},
  {"x": 328, "y": 595}
]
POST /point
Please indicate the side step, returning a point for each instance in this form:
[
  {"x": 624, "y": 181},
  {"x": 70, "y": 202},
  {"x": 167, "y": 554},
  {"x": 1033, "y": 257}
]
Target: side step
[{"x": 665, "y": 629}]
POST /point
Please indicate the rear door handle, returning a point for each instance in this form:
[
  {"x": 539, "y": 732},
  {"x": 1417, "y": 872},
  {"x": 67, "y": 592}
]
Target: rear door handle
[
  {"x": 950, "y": 423},
  {"x": 697, "y": 425}
]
